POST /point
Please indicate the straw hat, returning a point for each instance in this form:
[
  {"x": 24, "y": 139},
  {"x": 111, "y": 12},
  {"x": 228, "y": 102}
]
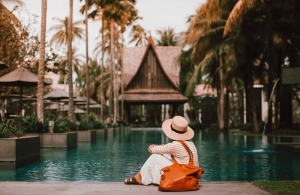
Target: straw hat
[{"x": 177, "y": 128}]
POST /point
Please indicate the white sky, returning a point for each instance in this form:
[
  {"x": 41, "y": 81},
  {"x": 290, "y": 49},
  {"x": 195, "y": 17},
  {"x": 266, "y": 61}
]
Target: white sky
[{"x": 156, "y": 14}]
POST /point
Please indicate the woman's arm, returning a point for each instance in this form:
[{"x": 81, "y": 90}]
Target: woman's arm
[{"x": 160, "y": 149}]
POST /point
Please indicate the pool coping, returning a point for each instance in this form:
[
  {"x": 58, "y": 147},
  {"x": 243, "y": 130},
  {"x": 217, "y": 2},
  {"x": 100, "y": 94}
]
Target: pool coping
[{"x": 111, "y": 188}]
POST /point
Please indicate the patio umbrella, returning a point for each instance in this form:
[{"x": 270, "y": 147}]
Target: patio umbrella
[
  {"x": 13, "y": 96},
  {"x": 77, "y": 99},
  {"x": 20, "y": 77},
  {"x": 94, "y": 106},
  {"x": 84, "y": 101},
  {"x": 76, "y": 109},
  {"x": 57, "y": 95},
  {"x": 54, "y": 106},
  {"x": 63, "y": 107}
]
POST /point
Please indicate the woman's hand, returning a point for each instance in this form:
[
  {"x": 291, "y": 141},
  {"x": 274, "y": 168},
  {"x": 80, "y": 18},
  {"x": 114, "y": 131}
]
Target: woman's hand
[{"x": 149, "y": 148}]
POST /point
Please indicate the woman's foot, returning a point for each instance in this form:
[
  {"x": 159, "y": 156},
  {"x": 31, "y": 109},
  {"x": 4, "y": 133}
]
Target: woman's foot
[{"x": 131, "y": 181}]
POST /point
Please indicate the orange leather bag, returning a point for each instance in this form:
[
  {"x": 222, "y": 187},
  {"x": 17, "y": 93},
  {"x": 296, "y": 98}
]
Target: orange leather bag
[{"x": 181, "y": 177}]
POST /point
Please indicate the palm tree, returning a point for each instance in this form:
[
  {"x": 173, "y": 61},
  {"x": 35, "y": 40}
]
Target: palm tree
[
  {"x": 62, "y": 37},
  {"x": 115, "y": 14},
  {"x": 60, "y": 29},
  {"x": 104, "y": 25},
  {"x": 123, "y": 16},
  {"x": 95, "y": 76},
  {"x": 168, "y": 37},
  {"x": 210, "y": 50},
  {"x": 77, "y": 61},
  {"x": 276, "y": 39},
  {"x": 71, "y": 116},
  {"x": 119, "y": 18},
  {"x": 138, "y": 35},
  {"x": 101, "y": 47},
  {"x": 40, "y": 88},
  {"x": 87, "y": 59}
]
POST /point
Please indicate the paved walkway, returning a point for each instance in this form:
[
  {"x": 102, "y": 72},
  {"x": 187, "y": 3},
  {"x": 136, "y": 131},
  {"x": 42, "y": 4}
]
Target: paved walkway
[{"x": 118, "y": 188}]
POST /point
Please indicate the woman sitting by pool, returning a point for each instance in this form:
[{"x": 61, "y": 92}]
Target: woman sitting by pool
[{"x": 176, "y": 129}]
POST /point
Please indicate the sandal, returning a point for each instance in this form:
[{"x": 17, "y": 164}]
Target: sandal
[{"x": 131, "y": 181}]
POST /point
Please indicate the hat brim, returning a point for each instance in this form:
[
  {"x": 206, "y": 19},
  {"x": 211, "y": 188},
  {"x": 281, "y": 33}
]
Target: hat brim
[{"x": 166, "y": 127}]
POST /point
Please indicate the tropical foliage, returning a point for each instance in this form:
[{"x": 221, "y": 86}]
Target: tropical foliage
[
  {"x": 266, "y": 35},
  {"x": 31, "y": 124},
  {"x": 167, "y": 37},
  {"x": 61, "y": 34},
  {"x": 17, "y": 45},
  {"x": 210, "y": 53},
  {"x": 230, "y": 45},
  {"x": 236, "y": 44},
  {"x": 89, "y": 123},
  {"x": 115, "y": 16},
  {"x": 138, "y": 35},
  {"x": 62, "y": 125},
  {"x": 95, "y": 82},
  {"x": 11, "y": 128}
]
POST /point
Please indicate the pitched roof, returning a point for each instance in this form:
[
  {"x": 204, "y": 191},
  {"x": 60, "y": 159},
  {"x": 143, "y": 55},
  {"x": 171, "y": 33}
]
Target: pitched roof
[
  {"x": 133, "y": 60},
  {"x": 155, "y": 97},
  {"x": 168, "y": 57}
]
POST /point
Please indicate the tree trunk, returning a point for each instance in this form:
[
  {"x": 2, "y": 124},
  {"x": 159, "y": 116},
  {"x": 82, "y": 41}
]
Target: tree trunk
[
  {"x": 111, "y": 97},
  {"x": 70, "y": 65},
  {"x": 252, "y": 110},
  {"x": 221, "y": 96},
  {"x": 250, "y": 101},
  {"x": 113, "y": 68},
  {"x": 227, "y": 108},
  {"x": 122, "y": 86},
  {"x": 116, "y": 86},
  {"x": 87, "y": 61},
  {"x": 102, "y": 96},
  {"x": 40, "y": 87},
  {"x": 286, "y": 107}
]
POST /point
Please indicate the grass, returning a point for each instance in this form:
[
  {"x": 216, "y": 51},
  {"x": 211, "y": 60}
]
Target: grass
[{"x": 279, "y": 187}]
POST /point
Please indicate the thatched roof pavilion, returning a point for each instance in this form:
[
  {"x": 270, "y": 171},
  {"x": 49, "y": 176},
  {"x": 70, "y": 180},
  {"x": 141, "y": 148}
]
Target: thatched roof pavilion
[{"x": 151, "y": 76}]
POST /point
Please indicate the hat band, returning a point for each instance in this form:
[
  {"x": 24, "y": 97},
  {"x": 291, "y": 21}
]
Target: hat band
[{"x": 176, "y": 131}]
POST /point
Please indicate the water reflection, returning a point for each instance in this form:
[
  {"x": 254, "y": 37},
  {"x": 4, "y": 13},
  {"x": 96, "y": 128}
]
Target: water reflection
[
  {"x": 246, "y": 158},
  {"x": 119, "y": 153}
]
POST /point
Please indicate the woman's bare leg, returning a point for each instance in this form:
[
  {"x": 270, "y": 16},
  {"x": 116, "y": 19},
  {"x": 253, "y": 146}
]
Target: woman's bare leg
[{"x": 138, "y": 177}]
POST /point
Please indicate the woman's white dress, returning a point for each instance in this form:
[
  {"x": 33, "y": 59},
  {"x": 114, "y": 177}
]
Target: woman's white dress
[
  {"x": 161, "y": 157},
  {"x": 151, "y": 170}
]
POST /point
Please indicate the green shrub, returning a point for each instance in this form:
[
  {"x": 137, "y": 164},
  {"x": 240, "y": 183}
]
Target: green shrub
[
  {"x": 11, "y": 128},
  {"x": 85, "y": 125},
  {"x": 212, "y": 127},
  {"x": 91, "y": 123},
  {"x": 31, "y": 124},
  {"x": 197, "y": 126},
  {"x": 46, "y": 125},
  {"x": 244, "y": 127},
  {"x": 62, "y": 125},
  {"x": 98, "y": 125},
  {"x": 122, "y": 123},
  {"x": 109, "y": 125}
]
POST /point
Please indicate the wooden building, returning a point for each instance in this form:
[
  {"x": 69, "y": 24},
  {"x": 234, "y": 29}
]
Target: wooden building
[{"x": 151, "y": 77}]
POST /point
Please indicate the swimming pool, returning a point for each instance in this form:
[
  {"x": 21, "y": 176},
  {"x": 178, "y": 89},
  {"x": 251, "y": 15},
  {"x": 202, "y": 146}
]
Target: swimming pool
[{"x": 120, "y": 154}]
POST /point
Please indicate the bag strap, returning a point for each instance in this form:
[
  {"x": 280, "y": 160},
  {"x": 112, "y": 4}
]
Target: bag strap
[{"x": 188, "y": 150}]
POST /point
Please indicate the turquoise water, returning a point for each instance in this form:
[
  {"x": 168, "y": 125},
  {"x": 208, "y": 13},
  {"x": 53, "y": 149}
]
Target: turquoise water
[{"x": 119, "y": 154}]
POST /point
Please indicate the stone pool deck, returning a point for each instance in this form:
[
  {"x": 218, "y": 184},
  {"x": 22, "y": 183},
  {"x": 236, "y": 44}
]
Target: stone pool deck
[{"x": 118, "y": 188}]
